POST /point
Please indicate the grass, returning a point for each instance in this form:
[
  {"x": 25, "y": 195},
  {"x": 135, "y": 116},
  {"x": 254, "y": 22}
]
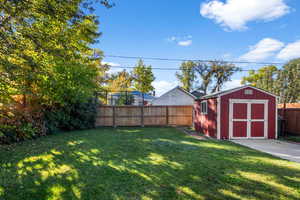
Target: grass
[
  {"x": 291, "y": 138},
  {"x": 141, "y": 163}
]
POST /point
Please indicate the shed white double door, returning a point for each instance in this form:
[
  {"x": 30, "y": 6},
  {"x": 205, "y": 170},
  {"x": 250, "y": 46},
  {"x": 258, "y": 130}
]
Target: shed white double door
[{"x": 248, "y": 119}]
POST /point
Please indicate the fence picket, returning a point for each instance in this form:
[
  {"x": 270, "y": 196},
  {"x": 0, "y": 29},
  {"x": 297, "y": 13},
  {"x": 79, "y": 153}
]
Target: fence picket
[{"x": 144, "y": 116}]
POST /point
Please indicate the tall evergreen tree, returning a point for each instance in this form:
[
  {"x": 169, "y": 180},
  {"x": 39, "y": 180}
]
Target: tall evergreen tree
[
  {"x": 143, "y": 77},
  {"x": 187, "y": 76}
]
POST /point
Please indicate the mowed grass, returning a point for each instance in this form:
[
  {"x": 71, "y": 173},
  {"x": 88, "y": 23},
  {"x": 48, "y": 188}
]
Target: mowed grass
[{"x": 141, "y": 163}]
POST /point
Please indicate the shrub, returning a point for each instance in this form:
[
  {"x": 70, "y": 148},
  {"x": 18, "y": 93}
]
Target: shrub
[
  {"x": 20, "y": 123},
  {"x": 77, "y": 116}
]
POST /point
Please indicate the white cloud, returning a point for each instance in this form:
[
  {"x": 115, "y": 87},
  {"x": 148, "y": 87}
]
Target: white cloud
[
  {"x": 262, "y": 50},
  {"x": 162, "y": 87},
  {"x": 181, "y": 40},
  {"x": 290, "y": 51},
  {"x": 232, "y": 84},
  {"x": 235, "y": 14},
  {"x": 185, "y": 43}
]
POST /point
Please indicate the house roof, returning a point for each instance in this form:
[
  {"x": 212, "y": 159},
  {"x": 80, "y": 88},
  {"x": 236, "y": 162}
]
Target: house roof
[
  {"x": 146, "y": 96},
  {"x": 188, "y": 93},
  {"x": 181, "y": 89},
  {"x": 220, "y": 93}
]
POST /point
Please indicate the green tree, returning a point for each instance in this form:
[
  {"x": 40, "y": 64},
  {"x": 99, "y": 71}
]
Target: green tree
[
  {"x": 125, "y": 99},
  {"x": 265, "y": 78},
  {"x": 143, "y": 77},
  {"x": 284, "y": 82},
  {"x": 213, "y": 75},
  {"x": 187, "y": 75},
  {"x": 45, "y": 50},
  {"x": 120, "y": 82},
  {"x": 289, "y": 82},
  {"x": 222, "y": 72}
]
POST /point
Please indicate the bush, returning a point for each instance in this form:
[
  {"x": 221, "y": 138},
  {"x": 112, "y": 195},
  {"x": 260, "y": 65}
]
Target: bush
[
  {"x": 20, "y": 123},
  {"x": 76, "y": 116}
]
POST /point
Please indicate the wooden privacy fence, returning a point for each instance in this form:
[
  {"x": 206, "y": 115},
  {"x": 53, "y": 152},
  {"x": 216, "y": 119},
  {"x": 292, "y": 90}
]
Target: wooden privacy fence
[
  {"x": 144, "y": 116},
  {"x": 292, "y": 120}
]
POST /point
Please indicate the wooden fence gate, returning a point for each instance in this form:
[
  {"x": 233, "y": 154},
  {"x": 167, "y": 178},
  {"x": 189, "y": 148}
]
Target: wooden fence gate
[{"x": 144, "y": 116}]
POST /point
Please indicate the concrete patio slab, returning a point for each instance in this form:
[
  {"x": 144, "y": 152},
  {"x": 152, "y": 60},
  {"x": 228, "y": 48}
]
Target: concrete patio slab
[{"x": 281, "y": 149}]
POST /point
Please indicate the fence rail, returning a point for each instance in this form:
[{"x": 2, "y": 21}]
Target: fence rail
[
  {"x": 144, "y": 116},
  {"x": 292, "y": 120}
]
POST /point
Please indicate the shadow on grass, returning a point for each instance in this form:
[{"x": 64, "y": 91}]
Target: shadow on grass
[{"x": 148, "y": 163}]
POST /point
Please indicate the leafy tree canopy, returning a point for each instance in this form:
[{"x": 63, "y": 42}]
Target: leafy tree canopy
[
  {"x": 206, "y": 77},
  {"x": 45, "y": 50},
  {"x": 143, "y": 77},
  {"x": 264, "y": 78},
  {"x": 289, "y": 82},
  {"x": 187, "y": 75},
  {"x": 120, "y": 82},
  {"x": 284, "y": 82}
]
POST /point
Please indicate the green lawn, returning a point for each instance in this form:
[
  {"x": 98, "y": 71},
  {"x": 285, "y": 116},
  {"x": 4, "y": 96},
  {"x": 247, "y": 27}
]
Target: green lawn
[{"x": 141, "y": 163}]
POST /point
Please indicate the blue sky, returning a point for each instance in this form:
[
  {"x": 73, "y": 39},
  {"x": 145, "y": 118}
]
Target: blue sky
[{"x": 252, "y": 30}]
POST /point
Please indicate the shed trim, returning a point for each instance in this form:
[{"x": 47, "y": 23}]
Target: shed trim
[
  {"x": 249, "y": 102},
  {"x": 222, "y": 93},
  {"x": 246, "y": 86}
]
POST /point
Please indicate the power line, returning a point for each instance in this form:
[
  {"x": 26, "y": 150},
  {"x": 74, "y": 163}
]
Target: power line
[
  {"x": 169, "y": 69},
  {"x": 183, "y": 60}
]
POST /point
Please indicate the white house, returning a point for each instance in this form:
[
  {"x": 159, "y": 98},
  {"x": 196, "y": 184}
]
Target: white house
[{"x": 176, "y": 96}]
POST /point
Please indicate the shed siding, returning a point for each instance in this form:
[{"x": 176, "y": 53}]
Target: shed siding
[
  {"x": 206, "y": 123},
  {"x": 174, "y": 97},
  {"x": 240, "y": 94}
]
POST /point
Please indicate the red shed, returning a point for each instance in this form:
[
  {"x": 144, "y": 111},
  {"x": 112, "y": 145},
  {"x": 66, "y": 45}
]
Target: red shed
[{"x": 241, "y": 113}]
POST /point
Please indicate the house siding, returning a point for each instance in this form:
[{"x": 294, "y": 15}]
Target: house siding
[{"x": 174, "y": 97}]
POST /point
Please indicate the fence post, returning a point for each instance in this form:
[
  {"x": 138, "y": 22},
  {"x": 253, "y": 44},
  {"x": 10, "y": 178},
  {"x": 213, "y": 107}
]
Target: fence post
[
  {"x": 114, "y": 116},
  {"x": 167, "y": 115},
  {"x": 142, "y": 115}
]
